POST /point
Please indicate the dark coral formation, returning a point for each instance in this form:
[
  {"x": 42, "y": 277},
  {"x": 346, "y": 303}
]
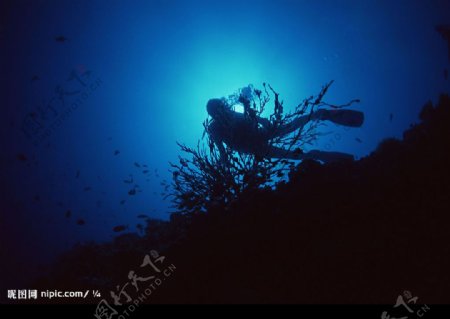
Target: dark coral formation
[{"x": 350, "y": 232}]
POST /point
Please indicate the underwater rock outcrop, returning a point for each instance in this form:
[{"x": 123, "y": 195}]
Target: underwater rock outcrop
[{"x": 347, "y": 232}]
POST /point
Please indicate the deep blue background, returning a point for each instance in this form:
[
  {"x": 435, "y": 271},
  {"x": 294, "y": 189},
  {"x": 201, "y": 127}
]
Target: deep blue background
[{"x": 157, "y": 63}]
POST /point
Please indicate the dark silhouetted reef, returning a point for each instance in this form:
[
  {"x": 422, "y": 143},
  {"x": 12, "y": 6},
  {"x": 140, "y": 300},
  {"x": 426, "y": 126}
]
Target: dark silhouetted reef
[{"x": 347, "y": 232}]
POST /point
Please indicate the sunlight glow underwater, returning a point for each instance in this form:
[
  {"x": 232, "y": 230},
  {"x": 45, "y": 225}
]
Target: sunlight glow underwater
[{"x": 160, "y": 62}]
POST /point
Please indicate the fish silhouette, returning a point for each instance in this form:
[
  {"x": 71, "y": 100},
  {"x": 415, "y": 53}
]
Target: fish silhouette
[
  {"x": 61, "y": 38},
  {"x": 444, "y": 31},
  {"x": 119, "y": 228}
]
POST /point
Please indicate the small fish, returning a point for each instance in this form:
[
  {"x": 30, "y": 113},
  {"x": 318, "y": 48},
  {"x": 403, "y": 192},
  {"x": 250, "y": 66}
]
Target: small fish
[
  {"x": 116, "y": 152},
  {"x": 445, "y": 74},
  {"x": 145, "y": 171},
  {"x": 391, "y": 116},
  {"x": 132, "y": 191},
  {"x": 22, "y": 157},
  {"x": 88, "y": 188},
  {"x": 145, "y": 165},
  {"x": 358, "y": 140},
  {"x": 444, "y": 31},
  {"x": 119, "y": 228},
  {"x": 77, "y": 174},
  {"x": 34, "y": 78},
  {"x": 137, "y": 164},
  {"x": 142, "y": 216},
  {"x": 68, "y": 213},
  {"x": 128, "y": 181},
  {"x": 81, "y": 222},
  {"x": 61, "y": 38},
  {"x": 109, "y": 139},
  {"x": 122, "y": 202}
]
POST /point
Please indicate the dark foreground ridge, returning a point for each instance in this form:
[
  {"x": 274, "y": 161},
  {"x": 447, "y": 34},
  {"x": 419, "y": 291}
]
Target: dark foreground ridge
[{"x": 349, "y": 232}]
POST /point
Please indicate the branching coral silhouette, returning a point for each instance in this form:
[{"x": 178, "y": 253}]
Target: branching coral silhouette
[{"x": 206, "y": 176}]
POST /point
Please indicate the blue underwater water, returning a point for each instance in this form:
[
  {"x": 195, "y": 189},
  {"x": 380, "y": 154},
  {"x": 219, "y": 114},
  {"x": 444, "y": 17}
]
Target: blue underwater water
[{"x": 91, "y": 91}]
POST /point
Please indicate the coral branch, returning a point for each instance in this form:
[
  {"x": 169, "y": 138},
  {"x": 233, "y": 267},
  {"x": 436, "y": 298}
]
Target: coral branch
[{"x": 208, "y": 176}]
